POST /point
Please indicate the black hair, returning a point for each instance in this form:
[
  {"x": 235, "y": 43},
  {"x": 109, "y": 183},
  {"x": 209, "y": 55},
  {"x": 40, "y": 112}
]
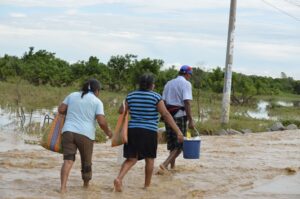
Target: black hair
[
  {"x": 146, "y": 81},
  {"x": 92, "y": 85},
  {"x": 181, "y": 72}
]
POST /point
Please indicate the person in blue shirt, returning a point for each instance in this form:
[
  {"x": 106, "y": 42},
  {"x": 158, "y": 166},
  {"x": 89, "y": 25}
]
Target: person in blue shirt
[
  {"x": 83, "y": 109},
  {"x": 143, "y": 105}
]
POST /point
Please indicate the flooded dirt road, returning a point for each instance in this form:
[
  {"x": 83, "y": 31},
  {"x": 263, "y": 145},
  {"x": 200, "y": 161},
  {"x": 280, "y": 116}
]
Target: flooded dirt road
[{"x": 260, "y": 165}]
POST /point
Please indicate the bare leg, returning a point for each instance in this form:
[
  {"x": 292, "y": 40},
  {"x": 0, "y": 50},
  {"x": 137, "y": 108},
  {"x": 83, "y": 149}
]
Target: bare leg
[
  {"x": 64, "y": 174},
  {"x": 148, "y": 171},
  {"x": 127, "y": 164},
  {"x": 172, "y": 162},
  {"x": 86, "y": 183},
  {"x": 171, "y": 159}
]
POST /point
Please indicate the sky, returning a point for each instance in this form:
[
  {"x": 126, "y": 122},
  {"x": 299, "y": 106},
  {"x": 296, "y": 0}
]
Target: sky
[{"x": 190, "y": 32}]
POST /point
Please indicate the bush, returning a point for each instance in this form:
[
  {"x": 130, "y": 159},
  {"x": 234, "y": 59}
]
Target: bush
[{"x": 290, "y": 121}]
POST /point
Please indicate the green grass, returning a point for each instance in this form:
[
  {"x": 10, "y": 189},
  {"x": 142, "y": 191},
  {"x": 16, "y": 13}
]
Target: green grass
[
  {"x": 31, "y": 97},
  {"x": 282, "y": 96}
]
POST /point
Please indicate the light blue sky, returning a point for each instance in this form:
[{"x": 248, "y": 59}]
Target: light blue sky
[{"x": 194, "y": 32}]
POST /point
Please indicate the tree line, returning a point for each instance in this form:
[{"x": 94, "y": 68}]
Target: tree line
[{"x": 121, "y": 72}]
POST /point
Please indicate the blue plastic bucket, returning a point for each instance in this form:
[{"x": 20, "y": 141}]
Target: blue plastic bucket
[{"x": 191, "y": 149}]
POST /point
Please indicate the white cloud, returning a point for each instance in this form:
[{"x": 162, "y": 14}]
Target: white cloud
[
  {"x": 271, "y": 51},
  {"x": 123, "y": 34},
  {"x": 17, "y": 15},
  {"x": 166, "y": 4},
  {"x": 55, "y": 3},
  {"x": 71, "y": 11},
  {"x": 188, "y": 32}
]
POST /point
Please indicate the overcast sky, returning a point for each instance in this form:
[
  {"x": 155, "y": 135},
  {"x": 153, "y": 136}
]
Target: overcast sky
[{"x": 193, "y": 32}]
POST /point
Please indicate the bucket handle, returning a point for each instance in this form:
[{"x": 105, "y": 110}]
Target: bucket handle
[{"x": 197, "y": 132}]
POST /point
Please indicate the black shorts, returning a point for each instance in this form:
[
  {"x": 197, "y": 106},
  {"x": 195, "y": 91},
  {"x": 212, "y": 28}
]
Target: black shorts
[{"x": 142, "y": 143}]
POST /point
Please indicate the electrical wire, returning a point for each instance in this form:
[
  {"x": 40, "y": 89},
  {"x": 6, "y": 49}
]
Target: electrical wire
[
  {"x": 295, "y": 3},
  {"x": 280, "y": 10}
]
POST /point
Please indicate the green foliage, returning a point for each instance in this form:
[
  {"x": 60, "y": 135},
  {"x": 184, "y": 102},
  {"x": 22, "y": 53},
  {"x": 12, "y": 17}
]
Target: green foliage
[
  {"x": 291, "y": 121},
  {"x": 123, "y": 71},
  {"x": 144, "y": 66},
  {"x": 9, "y": 67},
  {"x": 119, "y": 70},
  {"x": 216, "y": 80},
  {"x": 296, "y": 88},
  {"x": 163, "y": 77},
  {"x": 43, "y": 67},
  {"x": 243, "y": 89}
]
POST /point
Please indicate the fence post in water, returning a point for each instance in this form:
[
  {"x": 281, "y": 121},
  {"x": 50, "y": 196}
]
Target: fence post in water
[
  {"x": 228, "y": 64},
  {"x": 47, "y": 117}
]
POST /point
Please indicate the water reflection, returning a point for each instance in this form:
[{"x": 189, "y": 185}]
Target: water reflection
[
  {"x": 203, "y": 115},
  {"x": 261, "y": 112},
  {"x": 12, "y": 119},
  {"x": 285, "y": 104}
]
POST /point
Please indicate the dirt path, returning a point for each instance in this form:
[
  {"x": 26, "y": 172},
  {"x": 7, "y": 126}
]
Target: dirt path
[{"x": 260, "y": 165}]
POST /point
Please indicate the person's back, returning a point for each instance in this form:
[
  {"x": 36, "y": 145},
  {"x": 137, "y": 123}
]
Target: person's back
[
  {"x": 176, "y": 91},
  {"x": 81, "y": 113},
  {"x": 83, "y": 109},
  {"x": 143, "y": 106},
  {"x": 143, "y": 109}
]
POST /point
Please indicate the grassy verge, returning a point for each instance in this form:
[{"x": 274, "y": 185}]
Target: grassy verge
[{"x": 206, "y": 107}]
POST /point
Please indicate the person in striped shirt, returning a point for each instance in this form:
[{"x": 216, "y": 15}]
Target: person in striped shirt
[{"x": 144, "y": 106}]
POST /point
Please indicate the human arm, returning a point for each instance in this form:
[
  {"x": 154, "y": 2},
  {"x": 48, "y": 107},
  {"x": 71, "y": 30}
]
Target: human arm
[
  {"x": 103, "y": 125},
  {"x": 169, "y": 119},
  {"x": 62, "y": 109},
  {"x": 187, "y": 107},
  {"x": 123, "y": 107}
]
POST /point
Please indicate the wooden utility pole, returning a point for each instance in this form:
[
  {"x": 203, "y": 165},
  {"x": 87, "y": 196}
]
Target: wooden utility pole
[{"x": 228, "y": 64}]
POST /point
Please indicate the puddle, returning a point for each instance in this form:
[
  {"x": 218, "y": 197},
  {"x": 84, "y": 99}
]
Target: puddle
[
  {"x": 261, "y": 111},
  {"x": 285, "y": 104},
  {"x": 11, "y": 121},
  {"x": 280, "y": 185}
]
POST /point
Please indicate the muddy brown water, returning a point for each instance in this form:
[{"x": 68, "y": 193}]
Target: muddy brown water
[{"x": 256, "y": 165}]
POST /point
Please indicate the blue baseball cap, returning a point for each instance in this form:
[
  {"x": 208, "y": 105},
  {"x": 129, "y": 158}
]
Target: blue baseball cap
[{"x": 185, "y": 69}]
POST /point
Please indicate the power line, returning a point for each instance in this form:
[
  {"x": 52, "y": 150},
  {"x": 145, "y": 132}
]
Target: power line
[
  {"x": 295, "y": 3},
  {"x": 280, "y": 10}
]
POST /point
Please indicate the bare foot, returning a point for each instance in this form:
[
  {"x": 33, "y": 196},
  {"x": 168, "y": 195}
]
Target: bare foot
[
  {"x": 162, "y": 170},
  {"x": 162, "y": 167},
  {"x": 63, "y": 190},
  {"x": 118, "y": 185}
]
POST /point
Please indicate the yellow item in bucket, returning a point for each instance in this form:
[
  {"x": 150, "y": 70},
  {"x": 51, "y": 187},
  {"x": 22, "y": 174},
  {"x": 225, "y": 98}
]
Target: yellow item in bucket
[{"x": 188, "y": 135}]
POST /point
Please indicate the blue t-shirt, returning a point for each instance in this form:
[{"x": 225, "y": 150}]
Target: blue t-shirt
[
  {"x": 143, "y": 109},
  {"x": 81, "y": 113}
]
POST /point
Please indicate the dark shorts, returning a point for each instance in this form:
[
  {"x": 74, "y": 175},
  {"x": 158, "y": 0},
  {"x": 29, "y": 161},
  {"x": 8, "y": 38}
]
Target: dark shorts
[
  {"x": 142, "y": 143},
  {"x": 73, "y": 141},
  {"x": 172, "y": 142}
]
